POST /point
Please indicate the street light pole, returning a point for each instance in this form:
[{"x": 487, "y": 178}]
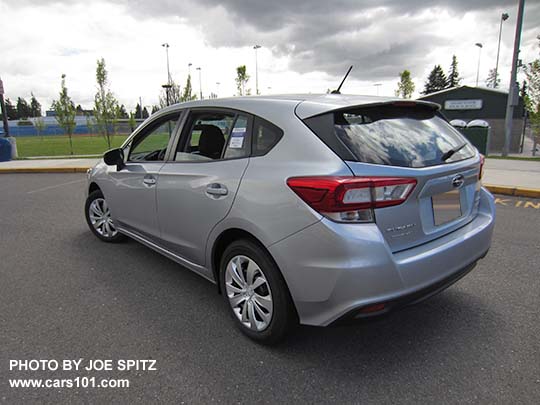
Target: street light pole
[
  {"x": 513, "y": 95},
  {"x": 168, "y": 86},
  {"x": 479, "y": 45},
  {"x": 256, "y": 70},
  {"x": 200, "y": 82},
  {"x": 217, "y": 89},
  {"x": 504, "y": 17},
  {"x": 377, "y": 85}
]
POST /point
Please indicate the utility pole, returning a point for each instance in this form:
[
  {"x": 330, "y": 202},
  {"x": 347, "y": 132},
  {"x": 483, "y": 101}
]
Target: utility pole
[
  {"x": 513, "y": 95},
  {"x": 140, "y": 103},
  {"x": 3, "y": 109},
  {"x": 256, "y": 70},
  {"x": 168, "y": 86}
]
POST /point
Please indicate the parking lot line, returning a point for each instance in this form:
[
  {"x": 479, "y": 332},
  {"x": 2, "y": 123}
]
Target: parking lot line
[{"x": 54, "y": 186}]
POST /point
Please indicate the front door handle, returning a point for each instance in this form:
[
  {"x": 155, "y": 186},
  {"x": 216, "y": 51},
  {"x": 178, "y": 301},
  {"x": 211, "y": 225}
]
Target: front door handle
[
  {"x": 217, "y": 189},
  {"x": 149, "y": 180}
]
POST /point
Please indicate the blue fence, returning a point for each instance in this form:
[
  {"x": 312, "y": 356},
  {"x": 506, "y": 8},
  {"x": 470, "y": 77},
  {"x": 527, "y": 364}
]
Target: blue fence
[{"x": 52, "y": 128}]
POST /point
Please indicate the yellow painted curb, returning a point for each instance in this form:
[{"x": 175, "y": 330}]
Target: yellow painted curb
[
  {"x": 514, "y": 191},
  {"x": 45, "y": 170}
]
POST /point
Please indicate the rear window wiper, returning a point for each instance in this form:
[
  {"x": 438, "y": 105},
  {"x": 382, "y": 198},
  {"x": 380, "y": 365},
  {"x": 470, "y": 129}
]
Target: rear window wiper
[{"x": 448, "y": 154}]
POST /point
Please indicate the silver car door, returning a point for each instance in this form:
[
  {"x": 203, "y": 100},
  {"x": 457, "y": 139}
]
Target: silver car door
[{"x": 197, "y": 186}]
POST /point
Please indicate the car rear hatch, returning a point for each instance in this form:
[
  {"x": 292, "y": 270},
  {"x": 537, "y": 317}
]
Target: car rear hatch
[{"x": 408, "y": 140}]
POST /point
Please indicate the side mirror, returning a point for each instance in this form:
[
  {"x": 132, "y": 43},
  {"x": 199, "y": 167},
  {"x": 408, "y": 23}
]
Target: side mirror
[{"x": 114, "y": 157}]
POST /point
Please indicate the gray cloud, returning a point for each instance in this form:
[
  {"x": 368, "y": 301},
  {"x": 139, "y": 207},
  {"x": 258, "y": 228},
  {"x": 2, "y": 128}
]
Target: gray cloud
[{"x": 380, "y": 38}]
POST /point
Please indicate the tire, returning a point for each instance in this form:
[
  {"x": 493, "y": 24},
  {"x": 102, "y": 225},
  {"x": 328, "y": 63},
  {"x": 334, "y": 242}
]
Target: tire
[
  {"x": 96, "y": 209},
  {"x": 248, "y": 302}
]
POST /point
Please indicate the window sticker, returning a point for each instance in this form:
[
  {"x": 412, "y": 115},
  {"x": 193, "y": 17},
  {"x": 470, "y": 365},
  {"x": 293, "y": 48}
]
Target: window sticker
[{"x": 237, "y": 138}]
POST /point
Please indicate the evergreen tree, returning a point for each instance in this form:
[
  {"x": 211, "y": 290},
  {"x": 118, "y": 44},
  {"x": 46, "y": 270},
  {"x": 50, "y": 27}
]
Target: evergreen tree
[
  {"x": 35, "y": 107},
  {"x": 453, "y": 74},
  {"x": 23, "y": 109},
  {"x": 436, "y": 81},
  {"x": 138, "y": 112},
  {"x": 155, "y": 109},
  {"x": 145, "y": 114},
  {"x": 122, "y": 113},
  {"x": 406, "y": 86},
  {"x": 11, "y": 111}
]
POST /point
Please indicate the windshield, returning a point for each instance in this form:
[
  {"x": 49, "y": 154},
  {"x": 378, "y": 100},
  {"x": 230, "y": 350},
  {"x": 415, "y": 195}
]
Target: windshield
[{"x": 412, "y": 136}]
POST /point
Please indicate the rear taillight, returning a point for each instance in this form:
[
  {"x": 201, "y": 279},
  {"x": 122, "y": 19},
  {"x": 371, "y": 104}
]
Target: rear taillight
[
  {"x": 351, "y": 199},
  {"x": 481, "y": 172}
]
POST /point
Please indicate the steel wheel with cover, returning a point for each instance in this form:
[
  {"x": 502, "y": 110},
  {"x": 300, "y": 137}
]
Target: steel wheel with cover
[
  {"x": 98, "y": 217},
  {"x": 256, "y": 294}
]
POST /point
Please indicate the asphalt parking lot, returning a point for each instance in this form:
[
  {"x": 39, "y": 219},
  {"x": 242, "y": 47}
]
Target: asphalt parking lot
[{"x": 66, "y": 295}]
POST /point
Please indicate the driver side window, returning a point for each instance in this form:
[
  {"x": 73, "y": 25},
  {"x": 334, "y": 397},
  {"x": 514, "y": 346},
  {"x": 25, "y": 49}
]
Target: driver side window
[{"x": 152, "y": 144}]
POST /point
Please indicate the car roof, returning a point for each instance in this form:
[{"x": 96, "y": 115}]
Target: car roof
[{"x": 304, "y": 105}]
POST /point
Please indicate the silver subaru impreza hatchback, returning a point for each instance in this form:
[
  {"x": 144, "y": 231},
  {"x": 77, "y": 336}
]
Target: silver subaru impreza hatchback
[{"x": 311, "y": 209}]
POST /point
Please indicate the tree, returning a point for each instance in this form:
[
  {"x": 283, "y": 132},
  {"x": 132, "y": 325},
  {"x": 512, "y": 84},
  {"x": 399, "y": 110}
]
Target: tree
[
  {"x": 138, "y": 112},
  {"x": 79, "y": 110},
  {"x": 187, "y": 94},
  {"x": 105, "y": 104},
  {"x": 40, "y": 126},
  {"x": 132, "y": 122},
  {"x": 35, "y": 107},
  {"x": 65, "y": 112},
  {"x": 174, "y": 95},
  {"x": 532, "y": 102},
  {"x": 241, "y": 80},
  {"x": 406, "y": 86},
  {"x": 122, "y": 113},
  {"x": 11, "y": 111},
  {"x": 436, "y": 80},
  {"x": 155, "y": 109},
  {"x": 23, "y": 109},
  {"x": 492, "y": 81},
  {"x": 453, "y": 74},
  {"x": 145, "y": 114}
]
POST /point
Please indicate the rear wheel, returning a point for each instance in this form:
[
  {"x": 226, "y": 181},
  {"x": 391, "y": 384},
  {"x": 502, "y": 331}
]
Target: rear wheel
[
  {"x": 98, "y": 217},
  {"x": 256, "y": 294}
]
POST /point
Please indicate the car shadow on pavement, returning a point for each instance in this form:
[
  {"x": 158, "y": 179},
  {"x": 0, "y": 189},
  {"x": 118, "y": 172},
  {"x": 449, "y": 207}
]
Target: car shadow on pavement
[{"x": 186, "y": 310}]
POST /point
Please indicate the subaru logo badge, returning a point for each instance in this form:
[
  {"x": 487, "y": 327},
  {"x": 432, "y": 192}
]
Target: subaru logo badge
[{"x": 458, "y": 181}]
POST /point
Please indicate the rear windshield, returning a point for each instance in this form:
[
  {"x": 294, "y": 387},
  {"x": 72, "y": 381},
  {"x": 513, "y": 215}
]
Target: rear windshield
[{"x": 411, "y": 136}]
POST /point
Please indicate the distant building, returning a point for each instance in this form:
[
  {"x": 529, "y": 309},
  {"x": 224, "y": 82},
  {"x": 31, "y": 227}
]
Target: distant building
[{"x": 468, "y": 103}]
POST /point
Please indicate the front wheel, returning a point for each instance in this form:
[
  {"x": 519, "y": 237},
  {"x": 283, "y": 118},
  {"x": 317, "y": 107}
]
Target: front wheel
[
  {"x": 256, "y": 294},
  {"x": 98, "y": 218}
]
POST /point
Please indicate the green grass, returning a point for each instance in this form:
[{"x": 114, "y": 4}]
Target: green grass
[{"x": 59, "y": 145}]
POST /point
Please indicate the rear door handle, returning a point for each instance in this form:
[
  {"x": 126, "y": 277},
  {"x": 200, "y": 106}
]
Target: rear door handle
[
  {"x": 149, "y": 180},
  {"x": 216, "y": 189}
]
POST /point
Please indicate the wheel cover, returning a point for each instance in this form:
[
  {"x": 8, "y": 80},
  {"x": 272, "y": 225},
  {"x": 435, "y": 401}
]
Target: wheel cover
[
  {"x": 249, "y": 293},
  {"x": 100, "y": 217}
]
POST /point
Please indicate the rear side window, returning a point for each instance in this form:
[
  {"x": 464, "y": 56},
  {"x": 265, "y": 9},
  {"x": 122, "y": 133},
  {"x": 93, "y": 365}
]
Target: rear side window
[
  {"x": 408, "y": 136},
  {"x": 265, "y": 136}
]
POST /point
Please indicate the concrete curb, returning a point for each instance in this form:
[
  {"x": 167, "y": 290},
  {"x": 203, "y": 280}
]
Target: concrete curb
[
  {"x": 45, "y": 170},
  {"x": 514, "y": 191},
  {"x": 504, "y": 190}
]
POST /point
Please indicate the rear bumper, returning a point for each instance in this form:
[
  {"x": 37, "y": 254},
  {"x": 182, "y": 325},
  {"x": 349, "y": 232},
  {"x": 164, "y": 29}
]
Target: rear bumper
[{"x": 334, "y": 270}]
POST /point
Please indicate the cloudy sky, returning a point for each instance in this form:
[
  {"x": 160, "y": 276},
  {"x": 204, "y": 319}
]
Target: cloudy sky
[{"x": 307, "y": 45}]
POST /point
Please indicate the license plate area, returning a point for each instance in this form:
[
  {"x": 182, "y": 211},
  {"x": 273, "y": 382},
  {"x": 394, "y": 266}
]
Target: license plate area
[{"x": 446, "y": 207}]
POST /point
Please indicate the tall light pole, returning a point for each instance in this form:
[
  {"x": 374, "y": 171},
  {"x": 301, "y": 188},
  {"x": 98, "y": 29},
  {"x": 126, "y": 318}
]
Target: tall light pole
[
  {"x": 256, "y": 70},
  {"x": 377, "y": 85},
  {"x": 217, "y": 88},
  {"x": 200, "y": 82},
  {"x": 166, "y": 46},
  {"x": 479, "y": 45},
  {"x": 513, "y": 95},
  {"x": 504, "y": 17},
  {"x": 189, "y": 68},
  {"x": 167, "y": 86}
]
